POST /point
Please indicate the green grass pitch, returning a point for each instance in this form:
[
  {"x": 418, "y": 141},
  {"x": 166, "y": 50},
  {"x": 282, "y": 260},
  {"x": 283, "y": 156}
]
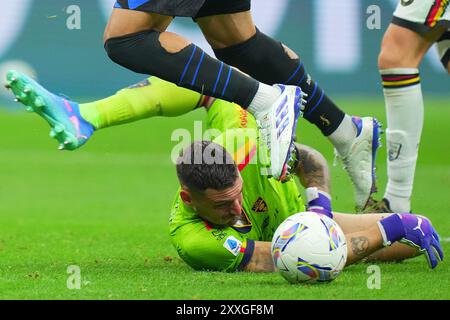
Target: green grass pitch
[{"x": 105, "y": 209}]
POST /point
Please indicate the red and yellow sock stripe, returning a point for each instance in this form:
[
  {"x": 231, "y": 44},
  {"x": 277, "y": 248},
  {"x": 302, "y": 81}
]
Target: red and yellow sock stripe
[
  {"x": 436, "y": 12},
  {"x": 394, "y": 81}
]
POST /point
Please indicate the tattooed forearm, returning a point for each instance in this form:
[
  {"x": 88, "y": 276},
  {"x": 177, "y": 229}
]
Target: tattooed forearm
[
  {"x": 312, "y": 169},
  {"x": 360, "y": 245}
]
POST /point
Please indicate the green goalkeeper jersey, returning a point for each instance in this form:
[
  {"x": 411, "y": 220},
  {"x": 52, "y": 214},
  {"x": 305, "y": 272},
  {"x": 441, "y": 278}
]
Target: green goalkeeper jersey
[{"x": 266, "y": 202}]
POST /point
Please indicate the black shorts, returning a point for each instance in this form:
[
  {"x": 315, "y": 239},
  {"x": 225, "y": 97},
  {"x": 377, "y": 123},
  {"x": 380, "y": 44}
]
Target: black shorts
[{"x": 186, "y": 8}]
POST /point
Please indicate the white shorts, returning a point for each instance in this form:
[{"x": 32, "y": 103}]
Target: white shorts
[{"x": 422, "y": 15}]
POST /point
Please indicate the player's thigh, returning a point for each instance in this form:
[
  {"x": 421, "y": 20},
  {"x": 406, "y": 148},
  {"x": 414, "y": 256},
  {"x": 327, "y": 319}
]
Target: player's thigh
[
  {"x": 124, "y": 21},
  {"x": 403, "y": 48},
  {"x": 351, "y": 223},
  {"x": 415, "y": 26},
  {"x": 226, "y": 30}
]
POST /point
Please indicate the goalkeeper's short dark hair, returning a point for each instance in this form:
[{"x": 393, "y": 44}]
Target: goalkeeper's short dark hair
[{"x": 206, "y": 165}]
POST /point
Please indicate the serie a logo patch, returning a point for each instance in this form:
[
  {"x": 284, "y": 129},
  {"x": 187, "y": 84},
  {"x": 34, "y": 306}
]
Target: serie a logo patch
[
  {"x": 260, "y": 206},
  {"x": 233, "y": 245}
]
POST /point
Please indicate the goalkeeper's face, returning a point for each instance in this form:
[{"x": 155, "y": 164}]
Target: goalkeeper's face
[{"x": 220, "y": 207}]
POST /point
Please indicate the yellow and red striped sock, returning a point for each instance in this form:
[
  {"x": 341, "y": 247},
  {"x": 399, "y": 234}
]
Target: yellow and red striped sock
[{"x": 395, "y": 78}]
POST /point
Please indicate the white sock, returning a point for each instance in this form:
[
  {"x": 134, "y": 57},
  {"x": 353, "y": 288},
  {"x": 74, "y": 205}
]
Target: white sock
[
  {"x": 344, "y": 135},
  {"x": 264, "y": 98},
  {"x": 404, "y": 109}
]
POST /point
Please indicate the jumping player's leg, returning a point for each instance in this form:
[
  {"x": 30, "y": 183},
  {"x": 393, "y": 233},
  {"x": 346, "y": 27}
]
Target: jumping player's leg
[
  {"x": 402, "y": 50},
  {"x": 136, "y": 39},
  {"x": 139, "y": 41},
  {"x": 236, "y": 40}
]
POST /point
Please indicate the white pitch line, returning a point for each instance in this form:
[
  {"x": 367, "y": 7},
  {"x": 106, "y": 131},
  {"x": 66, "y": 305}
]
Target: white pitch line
[{"x": 445, "y": 240}]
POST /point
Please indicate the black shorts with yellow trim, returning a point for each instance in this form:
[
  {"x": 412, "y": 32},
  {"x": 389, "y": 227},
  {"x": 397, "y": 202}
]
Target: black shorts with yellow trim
[{"x": 186, "y": 8}]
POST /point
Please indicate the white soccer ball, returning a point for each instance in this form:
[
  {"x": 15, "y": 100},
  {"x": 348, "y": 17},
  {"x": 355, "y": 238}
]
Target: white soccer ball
[{"x": 309, "y": 247}]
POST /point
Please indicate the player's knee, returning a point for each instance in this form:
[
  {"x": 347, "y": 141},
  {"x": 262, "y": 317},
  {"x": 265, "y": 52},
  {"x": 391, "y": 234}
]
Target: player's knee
[
  {"x": 388, "y": 59},
  {"x": 137, "y": 52},
  {"x": 144, "y": 51},
  {"x": 119, "y": 49}
]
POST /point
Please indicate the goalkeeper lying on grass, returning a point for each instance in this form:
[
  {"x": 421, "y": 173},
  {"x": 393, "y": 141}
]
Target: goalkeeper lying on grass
[{"x": 230, "y": 198}]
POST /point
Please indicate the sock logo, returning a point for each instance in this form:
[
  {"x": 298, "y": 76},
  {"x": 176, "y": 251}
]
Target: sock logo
[
  {"x": 325, "y": 121},
  {"x": 394, "y": 151}
]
